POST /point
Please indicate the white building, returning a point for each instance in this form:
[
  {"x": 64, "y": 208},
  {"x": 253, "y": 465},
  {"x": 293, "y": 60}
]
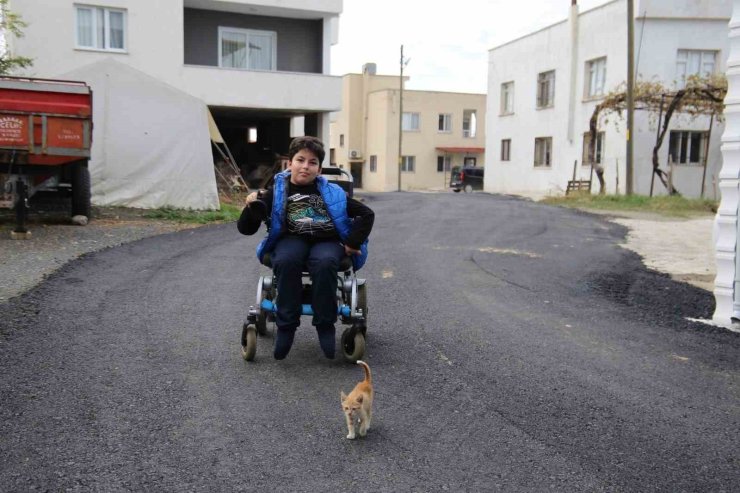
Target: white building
[
  {"x": 543, "y": 89},
  {"x": 260, "y": 66}
]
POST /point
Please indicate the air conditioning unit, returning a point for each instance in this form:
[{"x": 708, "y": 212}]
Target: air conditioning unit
[{"x": 355, "y": 154}]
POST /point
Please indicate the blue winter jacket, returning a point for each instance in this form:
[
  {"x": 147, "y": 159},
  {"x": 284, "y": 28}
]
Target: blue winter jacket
[{"x": 336, "y": 205}]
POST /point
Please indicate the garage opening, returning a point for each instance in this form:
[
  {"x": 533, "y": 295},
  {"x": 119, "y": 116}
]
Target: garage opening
[{"x": 259, "y": 139}]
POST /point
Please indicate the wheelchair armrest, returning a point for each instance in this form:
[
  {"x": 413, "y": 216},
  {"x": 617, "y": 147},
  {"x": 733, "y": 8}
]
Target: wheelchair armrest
[{"x": 267, "y": 260}]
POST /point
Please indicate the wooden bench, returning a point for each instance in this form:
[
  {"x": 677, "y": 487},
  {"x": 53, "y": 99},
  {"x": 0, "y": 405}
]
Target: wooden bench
[{"x": 578, "y": 186}]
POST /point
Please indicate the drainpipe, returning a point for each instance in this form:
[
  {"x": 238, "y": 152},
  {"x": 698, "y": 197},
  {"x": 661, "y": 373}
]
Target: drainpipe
[
  {"x": 573, "y": 21},
  {"x": 629, "y": 188},
  {"x": 365, "y": 103}
]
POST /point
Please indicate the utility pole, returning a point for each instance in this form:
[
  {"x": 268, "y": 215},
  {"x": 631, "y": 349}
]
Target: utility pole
[
  {"x": 400, "y": 122},
  {"x": 630, "y": 94}
]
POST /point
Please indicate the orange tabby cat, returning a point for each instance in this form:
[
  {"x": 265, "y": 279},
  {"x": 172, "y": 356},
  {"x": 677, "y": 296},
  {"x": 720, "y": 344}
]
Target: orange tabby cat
[{"x": 358, "y": 404}]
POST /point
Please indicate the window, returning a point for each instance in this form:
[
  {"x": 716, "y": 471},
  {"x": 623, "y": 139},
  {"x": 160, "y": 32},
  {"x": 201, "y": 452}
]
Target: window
[
  {"x": 444, "y": 163},
  {"x": 694, "y": 62},
  {"x": 410, "y": 122},
  {"x": 100, "y": 28},
  {"x": 373, "y": 164},
  {"x": 246, "y": 49},
  {"x": 341, "y": 140},
  {"x": 408, "y": 163},
  {"x": 445, "y": 123},
  {"x": 685, "y": 147},
  {"x": 507, "y": 98},
  {"x": 595, "y": 77},
  {"x": 546, "y": 89},
  {"x": 470, "y": 124},
  {"x": 598, "y": 148},
  {"x": 506, "y": 150},
  {"x": 543, "y": 151}
]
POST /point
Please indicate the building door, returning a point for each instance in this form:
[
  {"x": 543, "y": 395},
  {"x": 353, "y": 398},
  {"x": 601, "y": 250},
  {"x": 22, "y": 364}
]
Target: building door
[
  {"x": 469, "y": 161},
  {"x": 356, "y": 170}
]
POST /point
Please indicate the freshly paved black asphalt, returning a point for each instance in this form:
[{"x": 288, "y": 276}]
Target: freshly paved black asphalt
[{"x": 515, "y": 347}]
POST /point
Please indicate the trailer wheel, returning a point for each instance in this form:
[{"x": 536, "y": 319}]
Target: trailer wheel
[{"x": 81, "y": 190}]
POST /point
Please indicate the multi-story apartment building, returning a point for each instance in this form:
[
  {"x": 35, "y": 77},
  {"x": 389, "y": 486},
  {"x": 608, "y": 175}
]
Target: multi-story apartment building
[
  {"x": 440, "y": 130},
  {"x": 543, "y": 89},
  {"x": 260, "y": 66}
]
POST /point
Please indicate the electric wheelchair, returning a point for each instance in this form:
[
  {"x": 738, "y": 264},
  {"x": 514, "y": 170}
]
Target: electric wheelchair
[{"x": 351, "y": 297}]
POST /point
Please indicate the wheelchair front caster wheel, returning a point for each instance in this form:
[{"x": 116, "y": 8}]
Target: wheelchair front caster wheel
[
  {"x": 249, "y": 342},
  {"x": 353, "y": 345}
]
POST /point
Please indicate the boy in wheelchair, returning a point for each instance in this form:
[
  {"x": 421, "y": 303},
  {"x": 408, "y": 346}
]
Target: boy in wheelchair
[{"x": 312, "y": 225}]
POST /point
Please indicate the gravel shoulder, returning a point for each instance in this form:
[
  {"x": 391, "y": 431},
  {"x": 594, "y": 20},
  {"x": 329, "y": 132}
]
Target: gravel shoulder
[
  {"x": 682, "y": 248},
  {"x": 55, "y": 241}
]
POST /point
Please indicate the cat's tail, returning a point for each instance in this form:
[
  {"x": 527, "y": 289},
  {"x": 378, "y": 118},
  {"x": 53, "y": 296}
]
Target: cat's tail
[{"x": 368, "y": 376}]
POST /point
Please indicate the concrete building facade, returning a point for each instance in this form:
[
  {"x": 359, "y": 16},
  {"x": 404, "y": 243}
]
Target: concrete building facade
[
  {"x": 261, "y": 66},
  {"x": 441, "y": 130},
  {"x": 543, "y": 89}
]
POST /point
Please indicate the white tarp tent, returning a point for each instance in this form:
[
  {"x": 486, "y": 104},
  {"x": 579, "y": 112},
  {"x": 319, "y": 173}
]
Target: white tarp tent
[{"x": 151, "y": 143}]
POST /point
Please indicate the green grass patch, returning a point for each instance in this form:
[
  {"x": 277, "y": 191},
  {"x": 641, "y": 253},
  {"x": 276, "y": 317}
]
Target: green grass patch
[
  {"x": 665, "y": 205},
  {"x": 227, "y": 213}
]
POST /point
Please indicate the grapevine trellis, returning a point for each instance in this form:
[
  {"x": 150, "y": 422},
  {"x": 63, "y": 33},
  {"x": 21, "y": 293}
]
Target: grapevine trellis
[{"x": 700, "y": 96}]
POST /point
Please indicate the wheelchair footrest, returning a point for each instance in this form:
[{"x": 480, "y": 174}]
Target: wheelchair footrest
[{"x": 269, "y": 306}]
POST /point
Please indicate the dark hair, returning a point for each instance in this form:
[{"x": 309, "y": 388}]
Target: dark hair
[{"x": 311, "y": 143}]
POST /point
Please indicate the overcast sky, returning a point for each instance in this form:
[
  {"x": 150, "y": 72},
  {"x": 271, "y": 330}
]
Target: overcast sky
[{"x": 446, "y": 43}]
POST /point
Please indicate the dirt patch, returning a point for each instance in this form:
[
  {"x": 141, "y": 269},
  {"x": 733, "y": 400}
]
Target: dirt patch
[
  {"x": 680, "y": 247},
  {"x": 684, "y": 249}
]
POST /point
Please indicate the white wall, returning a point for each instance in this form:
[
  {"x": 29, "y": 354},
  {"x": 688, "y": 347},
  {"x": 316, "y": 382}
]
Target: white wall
[
  {"x": 599, "y": 35},
  {"x": 718, "y": 9},
  {"x": 156, "y": 47},
  {"x": 154, "y": 36},
  {"x": 521, "y": 61}
]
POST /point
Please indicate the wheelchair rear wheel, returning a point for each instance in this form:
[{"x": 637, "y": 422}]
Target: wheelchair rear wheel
[
  {"x": 261, "y": 324},
  {"x": 262, "y": 316},
  {"x": 362, "y": 300},
  {"x": 353, "y": 344},
  {"x": 249, "y": 342}
]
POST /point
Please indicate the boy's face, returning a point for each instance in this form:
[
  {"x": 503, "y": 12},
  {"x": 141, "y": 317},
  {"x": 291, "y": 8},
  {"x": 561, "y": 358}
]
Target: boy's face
[{"x": 304, "y": 167}]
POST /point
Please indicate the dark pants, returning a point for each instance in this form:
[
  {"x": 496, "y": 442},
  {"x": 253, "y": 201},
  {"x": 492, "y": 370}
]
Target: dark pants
[{"x": 322, "y": 259}]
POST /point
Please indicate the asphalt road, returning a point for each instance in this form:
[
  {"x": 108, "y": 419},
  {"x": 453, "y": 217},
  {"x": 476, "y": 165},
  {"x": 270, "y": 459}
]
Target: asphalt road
[{"x": 515, "y": 347}]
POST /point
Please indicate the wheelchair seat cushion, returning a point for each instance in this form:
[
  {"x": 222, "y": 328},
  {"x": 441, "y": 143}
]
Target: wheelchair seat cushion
[{"x": 344, "y": 265}]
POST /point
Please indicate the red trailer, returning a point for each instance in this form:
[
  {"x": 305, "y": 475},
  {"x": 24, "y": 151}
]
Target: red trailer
[{"x": 45, "y": 141}]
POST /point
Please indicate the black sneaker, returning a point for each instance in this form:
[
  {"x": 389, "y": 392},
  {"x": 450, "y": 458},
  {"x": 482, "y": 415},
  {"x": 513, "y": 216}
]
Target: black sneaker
[
  {"x": 327, "y": 340},
  {"x": 283, "y": 341}
]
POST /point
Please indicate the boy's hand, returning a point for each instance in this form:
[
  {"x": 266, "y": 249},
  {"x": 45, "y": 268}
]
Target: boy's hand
[
  {"x": 257, "y": 208},
  {"x": 251, "y": 197},
  {"x": 348, "y": 250}
]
